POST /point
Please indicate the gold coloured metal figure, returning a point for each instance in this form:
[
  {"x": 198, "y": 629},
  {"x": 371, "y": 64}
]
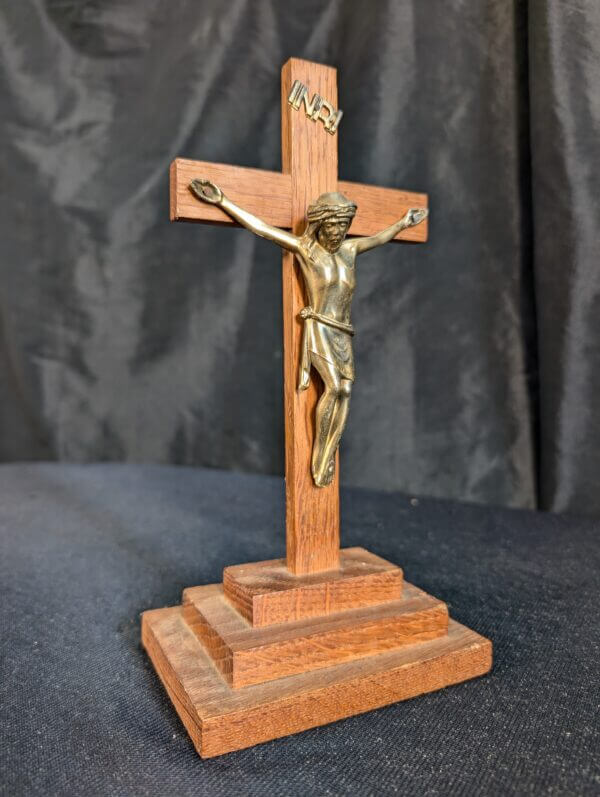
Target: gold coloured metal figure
[{"x": 327, "y": 261}]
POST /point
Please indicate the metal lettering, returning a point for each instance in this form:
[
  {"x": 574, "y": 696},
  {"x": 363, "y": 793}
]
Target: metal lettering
[
  {"x": 294, "y": 98},
  {"x": 318, "y": 109}
]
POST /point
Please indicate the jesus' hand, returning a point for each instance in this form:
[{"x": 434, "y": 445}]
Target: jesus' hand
[
  {"x": 415, "y": 216},
  {"x": 206, "y": 191}
]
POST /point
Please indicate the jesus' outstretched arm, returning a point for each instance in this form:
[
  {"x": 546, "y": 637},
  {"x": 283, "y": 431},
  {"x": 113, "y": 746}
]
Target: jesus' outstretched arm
[
  {"x": 211, "y": 193},
  {"x": 411, "y": 219}
]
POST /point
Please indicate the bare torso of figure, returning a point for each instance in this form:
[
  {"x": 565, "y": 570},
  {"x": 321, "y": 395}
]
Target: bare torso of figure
[{"x": 329, "y": 278}]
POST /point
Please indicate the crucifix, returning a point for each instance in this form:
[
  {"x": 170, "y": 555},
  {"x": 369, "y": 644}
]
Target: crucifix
[
  {"x": 275, "y": 648},
  {"x": 310, "y": 156}
]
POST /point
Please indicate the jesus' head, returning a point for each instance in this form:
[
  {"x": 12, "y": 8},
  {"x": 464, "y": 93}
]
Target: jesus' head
[{"x": 329, "y": 219}]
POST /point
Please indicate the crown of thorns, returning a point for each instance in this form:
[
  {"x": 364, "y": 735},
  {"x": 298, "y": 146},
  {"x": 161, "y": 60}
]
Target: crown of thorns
[{"x": 331, "y": 206}]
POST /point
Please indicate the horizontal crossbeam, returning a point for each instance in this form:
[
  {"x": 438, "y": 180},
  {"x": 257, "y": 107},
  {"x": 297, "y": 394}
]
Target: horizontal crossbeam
[{"x": 268, "y": 195}]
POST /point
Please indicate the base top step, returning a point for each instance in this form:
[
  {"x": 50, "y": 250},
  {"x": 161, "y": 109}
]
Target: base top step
[{"x": 267, "y": 593}]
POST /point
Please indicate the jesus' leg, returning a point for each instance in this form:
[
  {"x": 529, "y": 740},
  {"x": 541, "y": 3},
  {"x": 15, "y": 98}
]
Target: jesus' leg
[{"x": 331, "y": 414}]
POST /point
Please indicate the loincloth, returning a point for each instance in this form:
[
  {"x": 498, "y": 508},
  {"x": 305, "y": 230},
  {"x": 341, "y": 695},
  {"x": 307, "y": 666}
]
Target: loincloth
[{"x": 331, "y": 340}]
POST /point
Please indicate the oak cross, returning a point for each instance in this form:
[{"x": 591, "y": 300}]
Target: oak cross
[{"x": 310, "y": 160}]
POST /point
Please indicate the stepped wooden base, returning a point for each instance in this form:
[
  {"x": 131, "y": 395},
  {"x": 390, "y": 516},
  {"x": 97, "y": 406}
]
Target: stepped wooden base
[
  {"x": 235, "y": 683},
  {"x": 245, "y": 655},
  {"x": 220, "y": 719}
]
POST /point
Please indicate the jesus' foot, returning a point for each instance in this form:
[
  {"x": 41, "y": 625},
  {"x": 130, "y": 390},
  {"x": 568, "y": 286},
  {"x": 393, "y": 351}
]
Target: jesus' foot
[{"x": 325, "y": 478}]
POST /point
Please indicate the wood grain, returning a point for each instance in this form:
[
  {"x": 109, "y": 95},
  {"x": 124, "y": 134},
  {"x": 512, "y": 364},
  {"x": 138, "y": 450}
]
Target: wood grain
[
  {"x": 245, "y": 655},
  {"x": 220, "y": 719},
  {"x": 309, "y": 155},
  {"x": 268, "y": 195},
  {"x": 266, "y": 592},
  {"x": 378, "y": 208}
]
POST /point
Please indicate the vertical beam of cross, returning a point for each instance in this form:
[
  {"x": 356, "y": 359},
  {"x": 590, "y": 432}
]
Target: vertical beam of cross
[{"x": 310, "y": 157}]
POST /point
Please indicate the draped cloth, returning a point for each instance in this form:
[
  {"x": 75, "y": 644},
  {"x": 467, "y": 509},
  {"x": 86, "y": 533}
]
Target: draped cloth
[
  {"x": 125, "y": 338},
  {"x": 329, "y": 339}
]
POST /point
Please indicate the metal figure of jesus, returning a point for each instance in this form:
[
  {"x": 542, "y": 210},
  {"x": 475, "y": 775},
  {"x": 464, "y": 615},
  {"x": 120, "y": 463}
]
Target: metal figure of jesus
[{"x": 327, "y": 260}]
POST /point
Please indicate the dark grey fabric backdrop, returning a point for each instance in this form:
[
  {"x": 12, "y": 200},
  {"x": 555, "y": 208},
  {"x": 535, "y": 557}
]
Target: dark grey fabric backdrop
[{"x": 126, "y": 338}]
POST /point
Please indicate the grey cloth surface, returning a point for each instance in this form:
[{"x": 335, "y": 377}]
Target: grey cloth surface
[
  {"x": 85, "y": 549},
  {"x": 125, "y": 338}
]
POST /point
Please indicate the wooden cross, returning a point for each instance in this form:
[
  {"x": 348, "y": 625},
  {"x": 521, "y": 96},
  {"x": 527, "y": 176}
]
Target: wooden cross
[
  {"x": 310, "y": 168},
  {"x": 285, "y": 645}
]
